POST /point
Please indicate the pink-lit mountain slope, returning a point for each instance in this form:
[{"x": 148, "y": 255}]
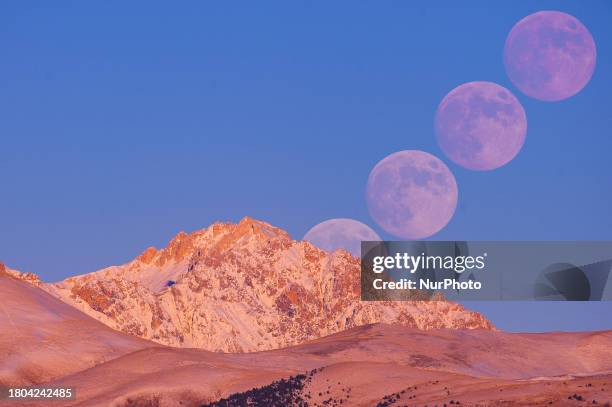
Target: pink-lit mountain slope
[
  {"x": 243, "y": 287},
  {"x": 42, "y": 338},
  {"x": 365, "y": 366}
]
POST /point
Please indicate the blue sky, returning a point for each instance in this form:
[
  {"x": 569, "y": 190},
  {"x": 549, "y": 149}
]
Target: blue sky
[{"x": 125, "y": 122}]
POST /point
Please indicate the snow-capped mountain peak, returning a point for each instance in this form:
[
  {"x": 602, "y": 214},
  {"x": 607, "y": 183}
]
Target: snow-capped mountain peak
[{"x": 243, "y": 287}]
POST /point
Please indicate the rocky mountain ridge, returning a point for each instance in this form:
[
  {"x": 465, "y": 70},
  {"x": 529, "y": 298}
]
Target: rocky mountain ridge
[{"x": 240, "y": 288}]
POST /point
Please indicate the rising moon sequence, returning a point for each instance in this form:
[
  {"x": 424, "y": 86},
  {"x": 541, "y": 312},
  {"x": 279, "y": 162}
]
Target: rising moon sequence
[{"x": 480, "y": 126}]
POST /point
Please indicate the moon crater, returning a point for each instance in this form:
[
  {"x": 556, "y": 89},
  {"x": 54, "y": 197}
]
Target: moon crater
[
  {"x": 411, "y": 194},
  {"x": 341, "y": 233},
  {"x": 480, "y": 125},
  {"x": 550, "y": 55}
]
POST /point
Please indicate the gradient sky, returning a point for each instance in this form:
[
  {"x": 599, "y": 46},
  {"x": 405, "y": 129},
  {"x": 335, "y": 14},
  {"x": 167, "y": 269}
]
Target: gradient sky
[{"x": 125, "y": 122}]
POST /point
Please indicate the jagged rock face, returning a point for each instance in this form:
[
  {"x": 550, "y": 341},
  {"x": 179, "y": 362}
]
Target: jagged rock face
[
  {"x": 27, "y": 277},
  {"x": 240, "y": 288}
]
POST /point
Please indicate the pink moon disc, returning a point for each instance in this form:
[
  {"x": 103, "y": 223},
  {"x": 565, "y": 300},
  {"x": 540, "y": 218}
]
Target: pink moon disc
[
  {"x": 411, "y": 194},
  {"x": 550, "y": 55},
  {"x": 480, "y": 125},
  {"x": 340, "y": 233}
]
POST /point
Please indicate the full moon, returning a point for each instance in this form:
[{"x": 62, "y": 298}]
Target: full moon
[
  {"x": 411, "y": 194},
  {"x": 550, "y": 55},
  {"x": 341, "y": 233},
  {"x": 480, "y": 125}
]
